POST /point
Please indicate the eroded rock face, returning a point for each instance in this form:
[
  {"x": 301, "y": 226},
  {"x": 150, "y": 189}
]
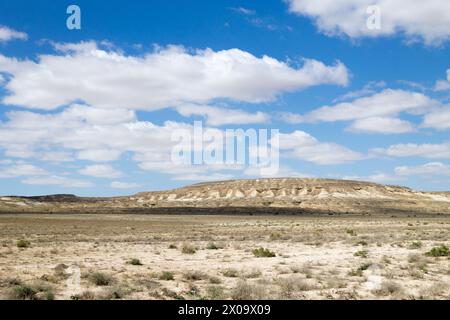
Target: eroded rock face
[{"x": 293, "y": 196}]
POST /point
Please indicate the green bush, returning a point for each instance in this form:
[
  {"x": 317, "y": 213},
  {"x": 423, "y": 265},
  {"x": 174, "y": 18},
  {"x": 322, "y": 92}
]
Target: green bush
[
  {"x": 23, "y": 292},
  {"x": 100, "y": 279},
  {"x": 23, "y": 243},
  {"x": 135, "y": 262},
  {"x": 441, "y": 251},
  {"x": 416, "y": 245},
  {"x": 361, "y": 253},
  {"x": 263, "y": 253},
  {"x": 230, "y": 273},
  {"x": 166, "y": 275},
  {"x": 212, "y": 246},
  {"x": 188, "y": 249},
  {"x": 38, "y": 291}
]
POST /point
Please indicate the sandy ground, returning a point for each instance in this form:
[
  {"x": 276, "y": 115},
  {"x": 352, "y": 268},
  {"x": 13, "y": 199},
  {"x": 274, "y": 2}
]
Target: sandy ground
[{"x": 211, "y": 257}]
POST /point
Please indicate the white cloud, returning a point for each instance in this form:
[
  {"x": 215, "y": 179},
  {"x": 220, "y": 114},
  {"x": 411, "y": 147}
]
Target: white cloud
[
  {"x": 369, "y": 89},
  {"x": 21, "y": 170},
  {"x": 415, "y": 19},
  {"x": 284, "y": 172},
  {"x": 385, "y": 103},
  {"x": 124, "y": 185},
  {"x": 301, "y": 145},
  {"x": 290, "y": 117},
  {"x": 202, "y": 177},
  {"x": 438, "y": 119},
  {"x": 55, "y": 156},
  {"x": 100, "y": 171},
  {"x": 432, "y": 168},
  {"x": 378, "y": 177},
  {"x": 217, "y": 116},
  {"x": 8, "y": 34},
  {"x": 57, "y": 181},
  {"x": 164, "y": 78},
  {"x": 99, "y": 155},
  {"x": 372, "y": 114},
  {"x": 443, "y": 85},
  {"x": 431, "y": 151},
  {"x": 383, "y": 125},
  {"x": 245, "y": 11}
]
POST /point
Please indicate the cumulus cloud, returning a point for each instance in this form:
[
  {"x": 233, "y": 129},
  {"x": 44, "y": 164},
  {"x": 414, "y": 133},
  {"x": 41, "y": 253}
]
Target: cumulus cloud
[
  {"x": 21, "y": 170},
  {"x": 438, "y": 119},
  {"x": 415, "y": 19},
  {"x": 100, "y": 171},
  {"x": 218, "y": 116},
  {"x": 124, "y": 185},
  {"x": 372, "y": 114},
  {"x": 166, "y": 77},
  {"x": 388, "y": 102},
  {"x": 54, "y": 180},
  {"x": 443, "y": 85},
  {"x": 301, "y": 145},
  {"x": 8, "y": 34},
  {"x": 383, "y": 125},
  {"x": 427, "y": 150},
  {"x": 99, "y": 155},
  {"x": 432, "y": 168},
  {"x": 369, "y": 89}
]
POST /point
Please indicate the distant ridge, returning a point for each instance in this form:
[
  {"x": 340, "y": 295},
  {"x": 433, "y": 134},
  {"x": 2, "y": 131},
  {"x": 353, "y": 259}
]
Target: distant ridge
[{"x": 271, "y": 196}]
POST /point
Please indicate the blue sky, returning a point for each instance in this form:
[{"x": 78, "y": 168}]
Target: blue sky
[{"x": 92, "y": 111}]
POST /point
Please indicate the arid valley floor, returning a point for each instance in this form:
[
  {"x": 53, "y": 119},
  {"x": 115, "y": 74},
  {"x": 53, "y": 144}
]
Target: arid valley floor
[{"x": 123, "y": 256}]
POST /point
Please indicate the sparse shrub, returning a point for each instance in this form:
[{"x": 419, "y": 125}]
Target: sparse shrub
[
  {"x": 230, "y": 273},
  {"x": 188, "y": 249},
  {"x": 32, "y": 292},
  {"x": 295, "y": 269},
  {"x": 60, "y": 270},
  {"x": 361, "y": 253},
  {"x": 114, "y": 293},
  {"x": 86, "y": 295},
  {"x": 11, "y": 282},
  {"x": 23, "y": 292},
  {"x": 415, "y": 245},
  {"x": 359, "y": 272},
  {"x": 441, "y": 251},
  {"x": 172, "y": 294},
  {"x": 263, "y": 253},
  {"x": 245, "y": 291},
  {"x": 135, "y": 262},
  {"x": 275, "y": 236},
  {"x": 253, "y": 274},
  {"x": 351, "y": 232},
  {"x": 286, "y": 288},
  {"x": 166, "y": 275},
  {"x": 213, "y": 246},
  {"x": 413, "y": 258},
  {"x": 214, "y": 280},
  {"x": 100, "y": 279},
  {"x": 23, "y": 243},
  {"x": 194, "y": 275},
  {"x": 389, "y": 288},
  {"x": 193, "y": 291},
  {"x": 215, "y": 292}
]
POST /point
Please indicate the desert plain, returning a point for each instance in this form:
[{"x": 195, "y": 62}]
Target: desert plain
[{"x": 152, "y": 256}]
